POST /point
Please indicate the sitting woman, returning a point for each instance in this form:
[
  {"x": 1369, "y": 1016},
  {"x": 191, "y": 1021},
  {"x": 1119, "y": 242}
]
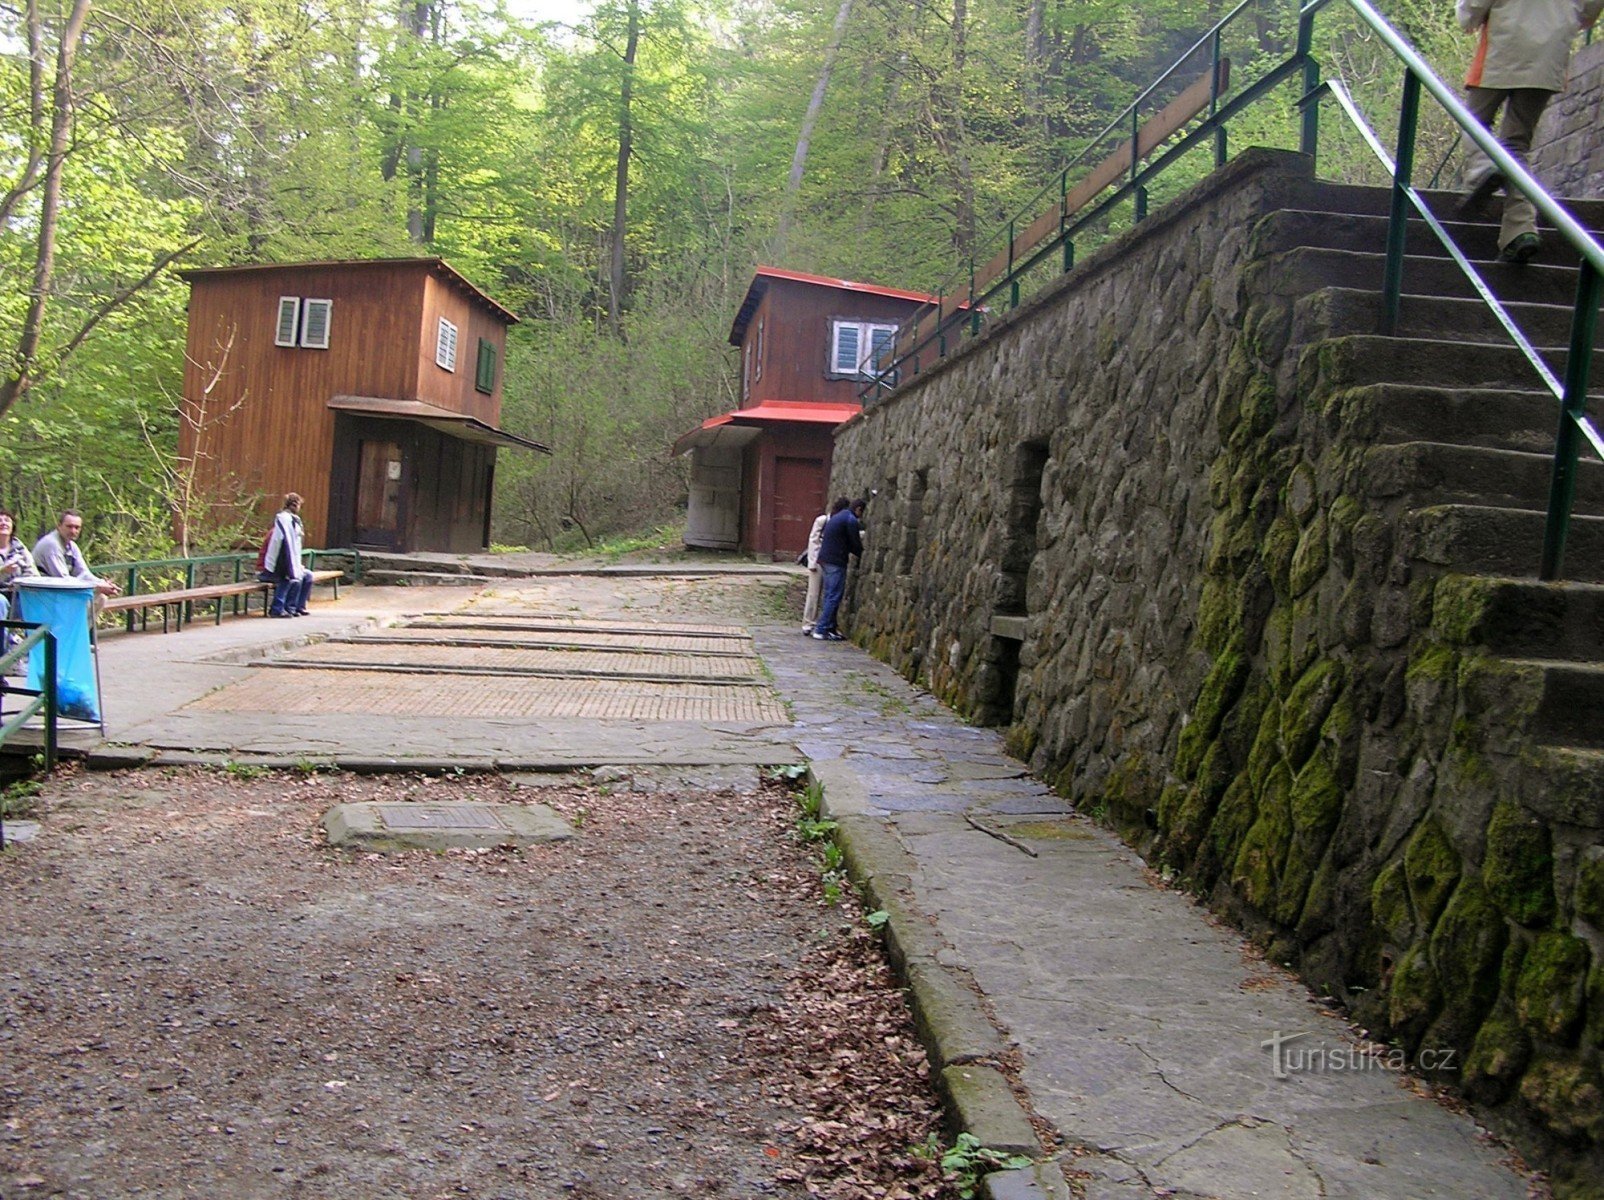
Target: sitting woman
[
  {"x": 281, "y": 562},
  {"x": 15, "y": 562}
]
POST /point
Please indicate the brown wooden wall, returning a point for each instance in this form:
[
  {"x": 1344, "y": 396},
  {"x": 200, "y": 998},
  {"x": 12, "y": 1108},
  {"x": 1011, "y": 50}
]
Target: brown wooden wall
[
  {"x": 760, "y": 501},
  {"x": 445, "y": 492},
  {"x": 455, "y": 389},
  {"x": 268, "y": 428},
  {"x": 795, "y": 319}
]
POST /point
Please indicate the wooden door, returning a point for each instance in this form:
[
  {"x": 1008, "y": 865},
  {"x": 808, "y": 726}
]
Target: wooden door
[
  {"x": 799, "y": 485},
  {"x": 378, "y": 494}
]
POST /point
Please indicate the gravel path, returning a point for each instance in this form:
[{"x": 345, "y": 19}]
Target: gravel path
[{"x": 198, "y": 998}]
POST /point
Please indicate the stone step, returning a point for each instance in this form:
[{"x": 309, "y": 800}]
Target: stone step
[
  {"x": 1289, "y": 229},
  {"x": 1310, "y": 268},
  {"x": 1571, "y": 710},
  {"x": 1477, "y": 539},
  {"x": 441, "y": 564},
  {"x": 1320, "y": 196},
  {"x": 385, "y": 578},
  {"x": 1570, "y": 785},
  {"x": 1522, "y": 618},
  {"x": 1335, "y": 311},
  {"x": 1499, "y": 418},
  {"x": 1431, "y": 473},
  {"x": 1363, "y": 359}
]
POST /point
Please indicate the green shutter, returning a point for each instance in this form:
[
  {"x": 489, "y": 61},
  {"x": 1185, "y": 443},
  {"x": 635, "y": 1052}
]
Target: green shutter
[{"x": 485, "y": 378}]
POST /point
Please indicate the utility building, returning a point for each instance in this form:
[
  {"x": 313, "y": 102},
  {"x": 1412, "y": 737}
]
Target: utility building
[{"x": 372, "y": 388}]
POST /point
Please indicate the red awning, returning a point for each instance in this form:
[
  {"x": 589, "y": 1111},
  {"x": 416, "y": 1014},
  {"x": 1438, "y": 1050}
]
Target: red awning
[{"x": 749, "y": 421}]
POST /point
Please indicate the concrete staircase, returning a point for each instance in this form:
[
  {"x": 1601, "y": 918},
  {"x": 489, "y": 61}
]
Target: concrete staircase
[
  {"x": 433, "y": 570},
  {"x": 1461, "y": 431}
]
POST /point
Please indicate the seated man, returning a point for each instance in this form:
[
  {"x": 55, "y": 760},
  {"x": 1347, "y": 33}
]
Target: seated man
[{"x": 57, "y": 554}]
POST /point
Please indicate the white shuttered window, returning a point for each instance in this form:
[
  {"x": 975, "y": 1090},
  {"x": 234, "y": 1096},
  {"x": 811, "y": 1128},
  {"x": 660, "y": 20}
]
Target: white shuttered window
[
  {"x": 289, "y": 320},
  {"x": 315, "y": 324},
  {"x": 445, "y": 346}
]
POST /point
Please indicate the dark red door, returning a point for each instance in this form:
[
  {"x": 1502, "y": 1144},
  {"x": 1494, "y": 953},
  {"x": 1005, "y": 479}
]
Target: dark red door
[{"x": 799, "y": 485}]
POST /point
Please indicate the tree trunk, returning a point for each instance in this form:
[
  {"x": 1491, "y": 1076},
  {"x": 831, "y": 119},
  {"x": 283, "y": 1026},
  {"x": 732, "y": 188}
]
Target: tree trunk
[
  {"x": 615, "y": 277},
  {"x": 958, "y": 142},
  {"x": 21, "y": 375},
  {"x": 422, "y": 24},
  {"x": 793, "y": 183}
]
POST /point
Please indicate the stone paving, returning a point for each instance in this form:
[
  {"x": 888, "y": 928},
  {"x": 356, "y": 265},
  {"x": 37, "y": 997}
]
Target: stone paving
[{"x": 1167, "y": 1055}]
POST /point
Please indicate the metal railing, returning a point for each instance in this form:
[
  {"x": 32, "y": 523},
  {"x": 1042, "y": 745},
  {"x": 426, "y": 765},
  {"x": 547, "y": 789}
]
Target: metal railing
[
  {"x": 934, "y": 328},
  {"x": 42, "y": 700}
]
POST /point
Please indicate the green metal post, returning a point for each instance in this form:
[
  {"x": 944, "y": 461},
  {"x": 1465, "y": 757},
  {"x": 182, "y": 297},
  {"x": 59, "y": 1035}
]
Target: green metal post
[
  {"x": 974, "y": 309},
  {"x": 1397, "y": 224},
  {"x": 1069, "y": 255},
  {"x": 133, "y": 587},
  {"x": 50, "y": 701},
  {"x": 1141, "y": 202},
  {"x": 1568, "y": 442},
  {"x": 1309, "y": 139},
  {"x": 1214, "y": 99}
]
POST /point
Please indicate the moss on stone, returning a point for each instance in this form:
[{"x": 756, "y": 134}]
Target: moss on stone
[
  {"x": 1497, "y": 1057},
  {"x": 1570, "y": 1096},
  {"x": 1226, "y": 829},
  {"x": 1432, "y": 868},
  {"x": 1307, "y": 707},
  {"x": 1413, "y": 997},
  {"x": 1256, "y": 410},
  {"x": 1431, "y": 678},
  {"x": 1518, "y": 870},
  {"x": 1589, "y": 892},
  {"x": 1390, "y": 907},
  {"x": 1459, "y": 608},
  {"x": 1550, "y": 986},
  {"x": 1184, "y": 814},
  {"x": 1256, "y": 873},
  {"x": 1316, "y": 803},
  {"x": 1277, "y": 550},
  {"x": 1220, "y": 690},
  {"x": 1311, "y": 558},
  {"x": 1278, "y": 646},
  {"x": 1218, "y": 618},
  {"x": 1021, "y": 740},
  {"x": 1266, "y": 749},
  {"x": 1302, "y": 492},
  {"x": 1341, "y": 731},
  {"x": 1220, "y": 472},
  {"x": 1467, "y": 948},
  {"x": 1128, "y": 793}
]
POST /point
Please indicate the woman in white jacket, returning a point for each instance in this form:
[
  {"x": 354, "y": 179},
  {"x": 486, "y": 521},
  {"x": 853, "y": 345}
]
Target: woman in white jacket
[
  {"x": 1522, "y": 52},
  {"x": 281, "y": 562}
]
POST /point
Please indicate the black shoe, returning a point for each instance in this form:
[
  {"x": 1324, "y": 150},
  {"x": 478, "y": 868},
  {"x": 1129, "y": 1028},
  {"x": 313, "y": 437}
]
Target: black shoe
[
  {"x": 1474, "y": 205},
  {"x": 1522, "y": 248}
]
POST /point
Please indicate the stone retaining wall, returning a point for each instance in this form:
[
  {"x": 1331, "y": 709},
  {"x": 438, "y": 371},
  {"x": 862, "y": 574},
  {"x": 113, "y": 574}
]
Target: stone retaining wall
[
  {"x": 1568, "y": 150},
  {"x": 1142, "y": 526}
]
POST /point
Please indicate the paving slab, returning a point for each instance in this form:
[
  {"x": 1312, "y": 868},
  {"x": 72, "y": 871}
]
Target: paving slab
[
  {"x": 442, "y": 825},
  {"x": 1146, "y": 1033}
]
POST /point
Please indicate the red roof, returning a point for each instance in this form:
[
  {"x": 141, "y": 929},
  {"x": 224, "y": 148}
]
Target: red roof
[
  {"x": 807, "y": 412},
  {"x": 759, "y": 285}
]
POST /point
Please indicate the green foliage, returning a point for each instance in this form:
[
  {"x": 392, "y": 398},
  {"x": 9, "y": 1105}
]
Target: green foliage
[{"x": 967, "y": 1160}]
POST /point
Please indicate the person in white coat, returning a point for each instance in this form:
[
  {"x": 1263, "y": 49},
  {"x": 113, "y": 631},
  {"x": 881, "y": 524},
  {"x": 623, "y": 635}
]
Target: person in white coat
[
  {"x": 1523, "y": 50},
  {"x": 810, "y": 608},
  {"x": 281, "y": 562}
]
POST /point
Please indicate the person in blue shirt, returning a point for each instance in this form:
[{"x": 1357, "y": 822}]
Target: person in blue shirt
[{"x": 842, "y": 542}]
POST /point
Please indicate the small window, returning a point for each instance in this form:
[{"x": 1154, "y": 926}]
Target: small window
[
  {"x": 746, "y": 373},
  {"x": 758, "y": 362},
  {"x": 484, "y": 377},
  {"x": 315, "y": 324},
  {"x": 445, "y": 346},
  {"x": 860, "y": 348},
  {"x": 289, "y": 320}
]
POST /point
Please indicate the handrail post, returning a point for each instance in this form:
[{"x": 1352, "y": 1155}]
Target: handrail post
[
  {"x": 133, "y": 587},
  {"x": 974, "y": 309},
  {"x": 1309, "y": 136},
  {"x": 1568, "y": 441},
  {"x": 1220, "y": 155},
  {"x": 1397, "y": 223},
  {"x": 50, "y": 701}
]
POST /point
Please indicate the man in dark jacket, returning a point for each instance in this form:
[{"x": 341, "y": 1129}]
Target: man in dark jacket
[{"x": 841, "y": 542}]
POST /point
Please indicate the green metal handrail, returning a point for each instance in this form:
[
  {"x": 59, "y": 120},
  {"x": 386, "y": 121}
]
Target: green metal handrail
[
  {"x": 1575, "y": 428},
  {"x": 43, "y": 698}
]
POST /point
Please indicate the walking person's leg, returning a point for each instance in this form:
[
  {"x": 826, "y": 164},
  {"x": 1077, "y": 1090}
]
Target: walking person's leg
[
  {"x": 1518, "y": 239},
  {"x": 835, "y": 583},
  {"x": 810, "y": 608},
  {"x": 1479, "y": 177}
]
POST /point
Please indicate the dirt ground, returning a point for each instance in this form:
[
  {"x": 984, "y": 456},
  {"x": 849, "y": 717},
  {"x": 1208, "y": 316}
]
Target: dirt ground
[{"x": 199, "y": 998}]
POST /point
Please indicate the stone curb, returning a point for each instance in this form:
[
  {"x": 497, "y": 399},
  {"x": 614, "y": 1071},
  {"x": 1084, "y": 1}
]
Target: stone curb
[
  {"x": 1040, "y": 1181},
  {"x": 960, "y": 1039}
]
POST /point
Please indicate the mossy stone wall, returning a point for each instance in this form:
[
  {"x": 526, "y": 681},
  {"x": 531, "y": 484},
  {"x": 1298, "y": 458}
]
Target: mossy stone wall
[{"x": 1237, "y": 645}]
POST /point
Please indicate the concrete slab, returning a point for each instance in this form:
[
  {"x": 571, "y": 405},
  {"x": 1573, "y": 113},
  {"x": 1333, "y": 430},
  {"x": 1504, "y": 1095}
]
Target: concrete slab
[{"x": 442, "y": 825}]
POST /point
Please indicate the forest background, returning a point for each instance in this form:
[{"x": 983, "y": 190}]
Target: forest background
[{"x": 613, "y": 177}]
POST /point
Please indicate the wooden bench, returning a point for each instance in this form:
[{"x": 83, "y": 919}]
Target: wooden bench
[
  {"x": 174, "y": 603},
  {"x": 333, "y": 577}
]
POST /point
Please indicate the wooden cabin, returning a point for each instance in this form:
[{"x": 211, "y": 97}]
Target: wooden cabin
[
  {"x": 372, "y": 388},
  {"x": 761, "y": 473}
]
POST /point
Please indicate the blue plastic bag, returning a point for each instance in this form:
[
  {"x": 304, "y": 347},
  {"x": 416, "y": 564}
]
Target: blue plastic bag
[{"x": 63, "y": 605}]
